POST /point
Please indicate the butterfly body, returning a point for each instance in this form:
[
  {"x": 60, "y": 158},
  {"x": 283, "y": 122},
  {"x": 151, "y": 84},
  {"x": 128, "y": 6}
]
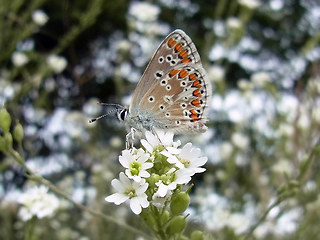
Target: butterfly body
[{"x": 174, "y": 91}]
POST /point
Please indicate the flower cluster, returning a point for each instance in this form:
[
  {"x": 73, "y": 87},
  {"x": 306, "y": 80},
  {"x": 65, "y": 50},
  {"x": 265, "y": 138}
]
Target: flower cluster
[
  {"x": 37, "y": 202},
  {"x": 155, "y": 172}
]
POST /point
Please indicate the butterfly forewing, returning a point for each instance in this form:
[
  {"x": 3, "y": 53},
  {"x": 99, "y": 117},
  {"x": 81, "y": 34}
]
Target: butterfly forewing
[{"x": 177, "y": 48}]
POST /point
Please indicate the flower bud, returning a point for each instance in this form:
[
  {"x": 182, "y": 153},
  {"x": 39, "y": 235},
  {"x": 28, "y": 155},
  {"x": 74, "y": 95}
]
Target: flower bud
[
  {"x": 179, "y": 203},
  {"x": 165, "y": 217},
  {"x": 18, "y": 132},
  {"x": 197, "y": 235},
  {"x": 5, "y": 142},
  {"x": 176, "y": 225},
  {"x": 5, "y": 120}
]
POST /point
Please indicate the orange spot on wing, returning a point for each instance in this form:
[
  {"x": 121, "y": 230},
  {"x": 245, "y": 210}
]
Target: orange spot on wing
[
  {"x": 186, "y": 60},
  {"x": 183, "y": 54},
  {"x": 196, "y": 103},
  {"x": 173, "y": 72},
  {"x": 192, "y": 77},
  {"x": 194, "y": 115},
  {"x": 171, "y": 42},
  {"x": 197, "y": 84},
  {"x": 178, "y": 47},
  {"x": 197, "y": 93},
  {"x": 183, "y": 73}
]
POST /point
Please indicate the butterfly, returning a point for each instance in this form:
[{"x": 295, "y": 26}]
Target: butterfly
[{"x": 174, "y": 91}]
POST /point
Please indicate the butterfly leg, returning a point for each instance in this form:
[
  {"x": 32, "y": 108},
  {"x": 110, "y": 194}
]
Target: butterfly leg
[
  {"x": 130, "y": 138},
  {"x": 154, "y": 131}
]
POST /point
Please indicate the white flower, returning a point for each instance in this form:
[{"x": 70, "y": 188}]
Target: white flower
[
  {"x": 316, "y": 114},
  {"x": 136, "y": 164},
  {"x": 245, "y": 85},
  {"x": 234, "y": 23},
  {"x": 37, "y": 202},
  {"x": 239, "y": 140},
  {"x": 165, "y": 189},
  {"x": 19, "y": 59},
  {"x": 286, "y": 129},
  {"x": 216, "y": 73},
  {"x": 129, "y": 190},
  {"x": 39, "y": 17},
  {"x": 56, "y": 63},
  {"x": 251, "y": 4},
  {"x": 144, "y": 11},
  {"x": 283, "y": 166},
  {"x": 160, "y": 138},
  {"x": 226, "y": 150},
  {"x": 260, "y": 79},
  {"x": 159, "y": 201},
  {"x": 186, "y": 158}
]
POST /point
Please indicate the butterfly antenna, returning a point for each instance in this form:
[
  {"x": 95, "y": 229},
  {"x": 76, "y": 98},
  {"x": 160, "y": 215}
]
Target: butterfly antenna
[{"x": 108, "y": 113}]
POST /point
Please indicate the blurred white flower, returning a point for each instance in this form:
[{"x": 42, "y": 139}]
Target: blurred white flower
[
  {"x": 240, "y": 140},
  {"x": 19, "y": 59},
  {"x": 37, "y": 202},
  {"x": 226, "y": 150},
  {"x": 115, "y": 142},
  {"x": 286, "y": 129},
  {"x": 238, "y": 222},
  {"x": 144, "y": 11},
  {"x": 316, "y": 114},
  {"x": 245, "y": 85},
  {"x": 283, "y": 166},
  {"x": 39, "y": 17},
  {"x": 56, "y": 63},
  {"x": 251, "y": 4},
  {"x": 260, "y": 79},
  {"x": 135, "y": 162},
  {"x": 234, "y": 23},
  {"x": 129, "y": 190},
  {"x": 216, "y": 73},
  {"x": 303, "y": 121}
]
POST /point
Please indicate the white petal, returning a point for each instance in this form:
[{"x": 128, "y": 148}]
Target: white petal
[
  {"x": 117, "y": 185},
  {"x": 162, "y": 190},
  {"x": 125, "y": 180},
  {"x": 153, "y": 140},
  {"x": 199, "y": 162},
  {"x": 147, "y": 165},
  {"x": 142, "y": 188},
  {"x": 135, "y": 205},
  {"x": 143, "y": 200},
  {"x": 144, "y": 174},
  {"x": 147, "y": 145},
  {"x": 117, "y": 198},
  {"x": 173, "y": 150}
]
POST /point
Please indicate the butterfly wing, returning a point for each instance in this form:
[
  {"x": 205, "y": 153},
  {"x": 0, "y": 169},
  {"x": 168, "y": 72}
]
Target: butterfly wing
[
  {"x": 179, "y": 101},
  {"x": 177, "y": 48}
]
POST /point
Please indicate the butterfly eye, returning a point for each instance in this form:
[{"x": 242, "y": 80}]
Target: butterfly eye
[
  {"x": 122, "y": 115},
  {"x": 161, "y": 107},
  {"x": 168, "y": 87},
  {"x": 151, "y": 99},
  {"x": 183, "y": 83},
  {"x": 167, "y": 114},
  {"x": 178, "y": 122}
]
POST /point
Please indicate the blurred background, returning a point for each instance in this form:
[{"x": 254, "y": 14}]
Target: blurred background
[{"x": 58, "y": 58}]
